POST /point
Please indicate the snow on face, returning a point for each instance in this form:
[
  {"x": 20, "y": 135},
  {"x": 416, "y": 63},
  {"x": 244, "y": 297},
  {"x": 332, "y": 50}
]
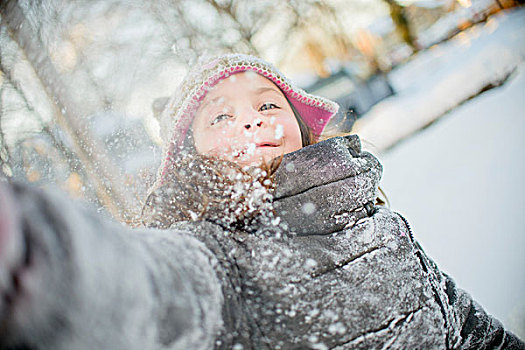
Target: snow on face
[
  {"x": 246, "y": 119},
  {"x": 279, "y": 131}
]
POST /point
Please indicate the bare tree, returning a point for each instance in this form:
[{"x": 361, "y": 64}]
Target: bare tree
[
  {"x": 5, "y": 158},
  {"x": 102, "y": 172},
  {"x": 403, "y": 27},
  {"x": 9, "y": 83}
]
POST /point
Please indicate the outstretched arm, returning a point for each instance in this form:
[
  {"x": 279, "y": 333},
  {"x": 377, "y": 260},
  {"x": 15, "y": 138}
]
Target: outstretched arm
[{"x": 71, "y": 280}]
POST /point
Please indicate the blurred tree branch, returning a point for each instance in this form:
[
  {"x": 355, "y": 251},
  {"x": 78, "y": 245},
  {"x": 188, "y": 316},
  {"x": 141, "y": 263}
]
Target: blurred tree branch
[
  {"x": 231, "y": 16},
  {"x": 399, "y": 17},
  {"x": 73, "y": 162},
  {"x": 5, "y": 158},
  {"x": 245, "y": 31},
  {"x": 102, "y": 172}
]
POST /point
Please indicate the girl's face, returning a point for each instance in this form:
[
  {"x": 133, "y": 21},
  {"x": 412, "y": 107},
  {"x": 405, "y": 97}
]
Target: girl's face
[{"x": 245, "y": 119}]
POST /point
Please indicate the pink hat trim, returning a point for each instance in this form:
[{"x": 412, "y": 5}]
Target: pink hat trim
[{"x": 314, "y": 113}]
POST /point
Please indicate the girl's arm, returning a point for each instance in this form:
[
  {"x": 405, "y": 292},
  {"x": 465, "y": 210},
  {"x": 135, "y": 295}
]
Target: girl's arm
[{"x": 71, "y": 280}]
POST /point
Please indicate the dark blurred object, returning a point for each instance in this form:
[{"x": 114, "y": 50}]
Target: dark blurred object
[
  {"x": 354, "y": 95},
  {"x": 404, "y": 28}
]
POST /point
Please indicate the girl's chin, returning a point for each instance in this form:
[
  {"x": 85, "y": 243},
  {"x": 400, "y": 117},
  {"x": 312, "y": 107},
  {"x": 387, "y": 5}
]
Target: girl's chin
[
  {"x": 253, "y": 160},
  {"x": 259, "y": 157},
  {"x": 249, "y": 162}
]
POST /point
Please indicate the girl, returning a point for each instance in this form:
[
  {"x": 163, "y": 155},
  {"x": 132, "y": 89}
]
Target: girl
[
  {"x": 234, "y": 112},
  {"x": 305, "y": 256}
]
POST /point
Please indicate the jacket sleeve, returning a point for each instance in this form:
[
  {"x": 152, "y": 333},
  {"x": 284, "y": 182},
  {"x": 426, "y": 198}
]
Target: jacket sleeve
[
  {"x": 86, "y": 282},
  {"x": 478, "y": 329},
  {"x": 469, "y": 325}
]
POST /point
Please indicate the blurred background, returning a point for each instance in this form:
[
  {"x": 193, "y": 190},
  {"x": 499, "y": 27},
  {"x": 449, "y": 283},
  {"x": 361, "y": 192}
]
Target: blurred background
[{"x": 435, "y": 88}]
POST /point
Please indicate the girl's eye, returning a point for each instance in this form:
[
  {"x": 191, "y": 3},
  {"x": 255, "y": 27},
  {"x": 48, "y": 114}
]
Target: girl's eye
[
  {"x": 267, "y": 106},
  {"x": 220, "y": 118}
]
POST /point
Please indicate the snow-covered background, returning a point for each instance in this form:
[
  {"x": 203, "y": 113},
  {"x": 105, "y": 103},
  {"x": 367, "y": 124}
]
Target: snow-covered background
[{"x": 461, "y": 181}]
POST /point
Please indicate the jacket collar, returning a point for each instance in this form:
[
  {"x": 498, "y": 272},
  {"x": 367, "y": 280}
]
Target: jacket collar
[{"x": 326, "y": 187}]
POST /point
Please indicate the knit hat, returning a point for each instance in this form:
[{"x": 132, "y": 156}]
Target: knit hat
[{"x": 180, "y": 110}]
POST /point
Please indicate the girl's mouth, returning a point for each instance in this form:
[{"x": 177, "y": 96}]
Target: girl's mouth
[
  {"x": 249, "y": 150},
  {"x": 267, "y": 144}
]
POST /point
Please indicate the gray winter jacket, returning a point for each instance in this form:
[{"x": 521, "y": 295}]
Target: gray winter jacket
[
  {"x": 336, "y": 273},
  {"x": 351, "y": 276}
]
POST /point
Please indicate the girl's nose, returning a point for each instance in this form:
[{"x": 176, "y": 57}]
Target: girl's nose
[{"x": 255, "y": 122}]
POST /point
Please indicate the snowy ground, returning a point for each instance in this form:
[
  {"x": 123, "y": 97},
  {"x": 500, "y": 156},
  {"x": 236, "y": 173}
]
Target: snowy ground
[
  {"x": 439, "y": 79},
  {"x": 461, "y": 181}
]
